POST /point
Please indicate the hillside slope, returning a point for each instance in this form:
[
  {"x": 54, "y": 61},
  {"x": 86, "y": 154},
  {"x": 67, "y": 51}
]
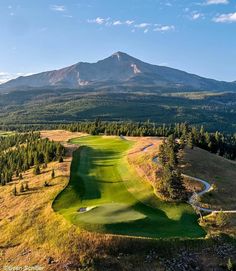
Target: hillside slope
[
  {"x": 117, "y": 69},
  {"x": 216, "y": 170}
]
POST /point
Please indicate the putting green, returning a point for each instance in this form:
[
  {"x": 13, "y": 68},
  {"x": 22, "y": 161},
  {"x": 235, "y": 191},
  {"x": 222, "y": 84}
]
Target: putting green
[{"x": 105, "y": 194}]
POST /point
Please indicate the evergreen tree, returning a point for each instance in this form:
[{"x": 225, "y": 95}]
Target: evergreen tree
[
  {"x": 190, "y": 142},
  {"x": 60, "y": 159},
  {"x": 53, "y": 174},
  {"x": 37, "y": 170},
  {"x": 14, "y": 191}
]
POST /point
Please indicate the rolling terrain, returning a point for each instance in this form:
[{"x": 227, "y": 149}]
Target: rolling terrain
[
  {"x": 32, "y": 232},
  {"x": 119, "y": 87},
  {"x": 105, "y": 194}
]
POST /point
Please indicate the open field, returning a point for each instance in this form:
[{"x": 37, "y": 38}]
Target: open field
[
  {"x": 119, "y": 201},
  {"x": 216, "y": 170},
  {"x": 60, "y": 135}
]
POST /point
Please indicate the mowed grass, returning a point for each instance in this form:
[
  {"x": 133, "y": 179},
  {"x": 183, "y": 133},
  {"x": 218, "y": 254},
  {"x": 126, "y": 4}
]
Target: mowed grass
[{"x": 119, "y": 201}]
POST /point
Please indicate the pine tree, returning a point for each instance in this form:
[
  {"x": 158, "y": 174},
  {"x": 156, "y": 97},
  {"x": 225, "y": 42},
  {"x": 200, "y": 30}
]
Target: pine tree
[
  {"x": 60, "y": 159},
  {"x": 37, "y": 170},
  {"x": 190, "y": 141},
  {"x": 14, "y": 191},
  {"x": 53, "y": 174}
]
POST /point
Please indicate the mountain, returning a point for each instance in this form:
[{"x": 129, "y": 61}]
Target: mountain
[{"x": 118, "y": 69}]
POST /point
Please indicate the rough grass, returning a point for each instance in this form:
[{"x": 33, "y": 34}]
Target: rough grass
[
  {"x": 60, "y": 135},
  {"x": 102, "y": 177},
  {"x": 6, "y": 133},
  {"x": 216, "y": 170}
]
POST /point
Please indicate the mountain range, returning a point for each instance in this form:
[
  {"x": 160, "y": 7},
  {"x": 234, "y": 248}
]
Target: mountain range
[{"x": 119, "y": 69}]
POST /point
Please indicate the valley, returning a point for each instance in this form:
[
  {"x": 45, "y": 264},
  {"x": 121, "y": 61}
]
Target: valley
[{"x": 104, "y": 197}]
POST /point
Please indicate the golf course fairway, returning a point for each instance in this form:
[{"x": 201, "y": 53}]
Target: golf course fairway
[{"x": 105, "y": 194}]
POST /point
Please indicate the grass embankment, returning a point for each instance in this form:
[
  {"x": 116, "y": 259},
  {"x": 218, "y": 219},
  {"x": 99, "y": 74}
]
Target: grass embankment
[
  {"x": 222, "y": 173},
  {"x": 216, "y": 170},
  {"x": 120, "y": 202}
]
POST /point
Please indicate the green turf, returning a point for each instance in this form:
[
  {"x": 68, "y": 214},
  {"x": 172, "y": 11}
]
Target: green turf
[{"x": 120, "y": 201}]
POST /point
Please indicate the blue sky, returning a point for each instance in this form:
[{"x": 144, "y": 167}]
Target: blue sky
[{"x": 195, "y": 36}]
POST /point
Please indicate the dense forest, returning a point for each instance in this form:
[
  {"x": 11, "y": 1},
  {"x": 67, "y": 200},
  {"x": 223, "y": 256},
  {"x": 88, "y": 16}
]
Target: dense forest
[
  {"x": 22, "y": 151},
  {"x": 219, "y": 143}
]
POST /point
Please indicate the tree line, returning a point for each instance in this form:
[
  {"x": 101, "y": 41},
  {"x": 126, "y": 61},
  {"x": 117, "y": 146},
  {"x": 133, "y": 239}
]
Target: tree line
[
  {"x": 218, "y": 143},
  {"x": 15, "y": 140},
  {"x": 33, "y": 152}
]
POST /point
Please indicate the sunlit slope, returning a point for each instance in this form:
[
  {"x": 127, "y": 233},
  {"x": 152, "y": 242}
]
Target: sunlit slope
[
  {"x": 117, "y": 200},
  {"x": 216, "y": 170}
]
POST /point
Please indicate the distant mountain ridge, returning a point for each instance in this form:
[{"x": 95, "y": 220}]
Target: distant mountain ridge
[{"x": 118, "y": 69}]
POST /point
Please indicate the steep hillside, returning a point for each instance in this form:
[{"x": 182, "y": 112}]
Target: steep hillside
[
  {"x": 216, "y": 170},
  {"x": 118, "y": 69}
]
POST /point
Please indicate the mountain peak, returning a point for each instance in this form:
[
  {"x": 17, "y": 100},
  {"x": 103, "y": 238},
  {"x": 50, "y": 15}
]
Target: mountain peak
[
  {"x": 120, "y": 55},
  {"x": 120, "y": 69}
]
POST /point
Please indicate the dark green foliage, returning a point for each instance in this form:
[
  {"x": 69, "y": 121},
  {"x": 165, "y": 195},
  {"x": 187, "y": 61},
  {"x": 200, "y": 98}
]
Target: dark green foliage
[
  {"x": 60, "y": 159},
  {"x": 171, "y": 185},
  {"x": 14, "y": 191},
  {"x": 37, "y": 170},
  {"x": 33, "y": 151},
  {"x": 53, "y": 174},
  {"x": 216, "y": 111}
]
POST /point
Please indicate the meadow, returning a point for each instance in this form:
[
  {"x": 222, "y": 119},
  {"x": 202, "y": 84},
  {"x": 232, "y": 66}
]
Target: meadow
[{"x": 105, "y": 194}]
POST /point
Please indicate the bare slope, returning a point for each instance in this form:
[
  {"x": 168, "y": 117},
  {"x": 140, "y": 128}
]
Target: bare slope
[{"x": 216, "y": 170}]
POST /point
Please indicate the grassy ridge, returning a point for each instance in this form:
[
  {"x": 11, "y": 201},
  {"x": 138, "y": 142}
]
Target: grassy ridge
[{"x": 119, "y": 201}]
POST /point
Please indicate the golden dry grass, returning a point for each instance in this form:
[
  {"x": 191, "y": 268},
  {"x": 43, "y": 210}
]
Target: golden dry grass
[
  {"x": 30, "y": 230},
  {"x": 216, "y": 170},
  {"x": 142, "y": 160},
  {"x": 60, "y": 135}
]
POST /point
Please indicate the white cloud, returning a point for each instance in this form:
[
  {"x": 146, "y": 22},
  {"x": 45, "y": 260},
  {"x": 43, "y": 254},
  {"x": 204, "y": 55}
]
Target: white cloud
[
  {"x": 129, "y": 22},
  {"x": 216, "y": 2},
  {"x": 117, "y": 22},
  {"x": 225, "y": 18},
  {"x": 142, "y": 25},
  {"x": 98, "y": 20},
  {"x": 59, "y": 8},
  {"x": 6, "y": 76},
  {"x": 145, "y": 27},
  {"x": 196, "y": 15},
  {"x": 164, "y": 28}
]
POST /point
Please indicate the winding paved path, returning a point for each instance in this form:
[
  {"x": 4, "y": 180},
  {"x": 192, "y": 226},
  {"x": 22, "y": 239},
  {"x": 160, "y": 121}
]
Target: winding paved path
[{"x": 207, "y": 188}]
